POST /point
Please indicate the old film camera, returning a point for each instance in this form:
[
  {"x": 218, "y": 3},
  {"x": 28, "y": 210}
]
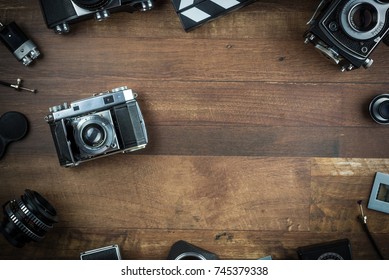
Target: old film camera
[
  {"x": 332, "y": 250},
  {"x": 60, "y": 13},
  {"x": 347, "y": 31},
  {"x": 182, "y": 250},
  {"x": 101, "y": 125}
]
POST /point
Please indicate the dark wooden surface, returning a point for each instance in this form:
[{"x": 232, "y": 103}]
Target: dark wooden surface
[{"x": 257, "y": 144}]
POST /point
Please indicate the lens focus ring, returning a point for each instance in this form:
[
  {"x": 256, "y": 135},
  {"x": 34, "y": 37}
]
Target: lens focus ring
[
  {"x": 27, "y": 219},
  {"x": 21, "y": 224},
  {"x": 33, "y": 218}
]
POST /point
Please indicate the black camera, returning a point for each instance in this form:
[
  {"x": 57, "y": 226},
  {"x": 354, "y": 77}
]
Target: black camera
[
  {"x": 111, "y": 252},
  {"x": 182, "y": 250},
  {"x": 104, "y": 124},
  {"x": 60, "y": 13},
  {"x": 347, "y": 31},
  {"x": 27, "y": 219},
  {"x": 332, "y": 250}
]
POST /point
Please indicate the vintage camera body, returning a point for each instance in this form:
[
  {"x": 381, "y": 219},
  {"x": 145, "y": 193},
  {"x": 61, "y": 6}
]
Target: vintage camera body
[
  {"x": 182, "y": 250},
  {"x": 60, "y": 13},
  {"x": 347, "y": 31},
  {"x": 111, "y": 252},
  {"x": 101, "y": 125},
  {"x": 332, "y": 250}
]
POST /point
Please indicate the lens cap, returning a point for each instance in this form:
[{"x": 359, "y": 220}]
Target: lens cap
[
  {"x": 13, "y": 127},
  {"x": 379, "y": 109}
]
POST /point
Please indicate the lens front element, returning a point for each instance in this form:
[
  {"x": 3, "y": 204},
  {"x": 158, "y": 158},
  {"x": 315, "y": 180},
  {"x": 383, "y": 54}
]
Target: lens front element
[
  {"x": 363, "y": 17},
  {"x": 93, "y": 135}
]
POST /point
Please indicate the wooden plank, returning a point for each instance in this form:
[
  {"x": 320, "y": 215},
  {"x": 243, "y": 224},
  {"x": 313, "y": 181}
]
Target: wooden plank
[
  {"x": 232, "y": 118},
  {"x": 169, "y": 192},
  {"x": 206, "y": 103}
]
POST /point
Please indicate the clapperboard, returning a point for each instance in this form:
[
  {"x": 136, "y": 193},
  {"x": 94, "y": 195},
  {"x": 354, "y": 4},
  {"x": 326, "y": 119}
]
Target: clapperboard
[{"x": 193, "y": 13}]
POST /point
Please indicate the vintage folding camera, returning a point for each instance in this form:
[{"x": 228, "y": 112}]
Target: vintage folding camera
[
  {"x": 347, "y": 31},
  {"x": 101, "y": 125},
  {"x": 60, "y": 13}
]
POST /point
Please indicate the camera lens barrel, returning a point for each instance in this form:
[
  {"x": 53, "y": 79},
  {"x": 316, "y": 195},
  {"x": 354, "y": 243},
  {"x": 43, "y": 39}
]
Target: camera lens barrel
[
  {"x": 27, "y": 219},
  {"x": 379, "y": 109}
]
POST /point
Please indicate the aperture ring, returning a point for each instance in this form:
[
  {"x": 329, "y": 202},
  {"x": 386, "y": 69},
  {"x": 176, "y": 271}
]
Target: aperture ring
[
  {"x": 33, "y": 218},
  {"x": 20, "y": 225}
]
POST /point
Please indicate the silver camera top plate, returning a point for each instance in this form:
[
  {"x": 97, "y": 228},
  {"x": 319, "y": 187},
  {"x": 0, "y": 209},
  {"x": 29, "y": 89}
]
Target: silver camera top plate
[{"x": 101, "y": 101}]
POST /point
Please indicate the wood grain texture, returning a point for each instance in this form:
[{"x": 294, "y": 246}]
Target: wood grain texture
[{"x": 257, "y": 144}]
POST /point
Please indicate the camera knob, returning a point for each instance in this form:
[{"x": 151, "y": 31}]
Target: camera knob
[
  {"x": 368, "y": 62},
  {"x": 145, "y": 6},
  {"x": 101, "y": 15},
  {"x": 62, "y": 28},
  {"x": 55, "y": 109},
  {"x": 58, "y": 108},
  {"x": 119, "y": 89}
]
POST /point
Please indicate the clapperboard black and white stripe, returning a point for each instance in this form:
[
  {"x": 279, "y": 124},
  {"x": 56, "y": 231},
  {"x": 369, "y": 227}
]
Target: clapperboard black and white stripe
[{"x": 193, "y": 13}]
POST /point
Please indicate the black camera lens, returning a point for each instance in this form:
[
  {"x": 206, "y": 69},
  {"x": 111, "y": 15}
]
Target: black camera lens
[
  {"x": 379, "y": 109},
  {"x": 363, "y": 17},
  {"x": 27, "y": 219},
  {"x": 93, "y": 135},
  {"x": 182, "y": 250},
  {"x": 91, "y": 4},
  {"x": 190, "y": 256}
]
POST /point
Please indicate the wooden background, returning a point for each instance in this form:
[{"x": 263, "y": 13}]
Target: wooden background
[{"x": 257, "y": 144}]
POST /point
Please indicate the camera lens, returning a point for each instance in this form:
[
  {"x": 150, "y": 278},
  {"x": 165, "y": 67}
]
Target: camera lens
[
  {"x": 191, "y": 256},
  {"x": 93, "y": 135},
  {"x": 363, "y": 17},
  {"x": 91, "y": 4},
  {"x": 379, "y": 109},
  {"x": 182, "y": 250},
  {"x": 27, "y": 219}
]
